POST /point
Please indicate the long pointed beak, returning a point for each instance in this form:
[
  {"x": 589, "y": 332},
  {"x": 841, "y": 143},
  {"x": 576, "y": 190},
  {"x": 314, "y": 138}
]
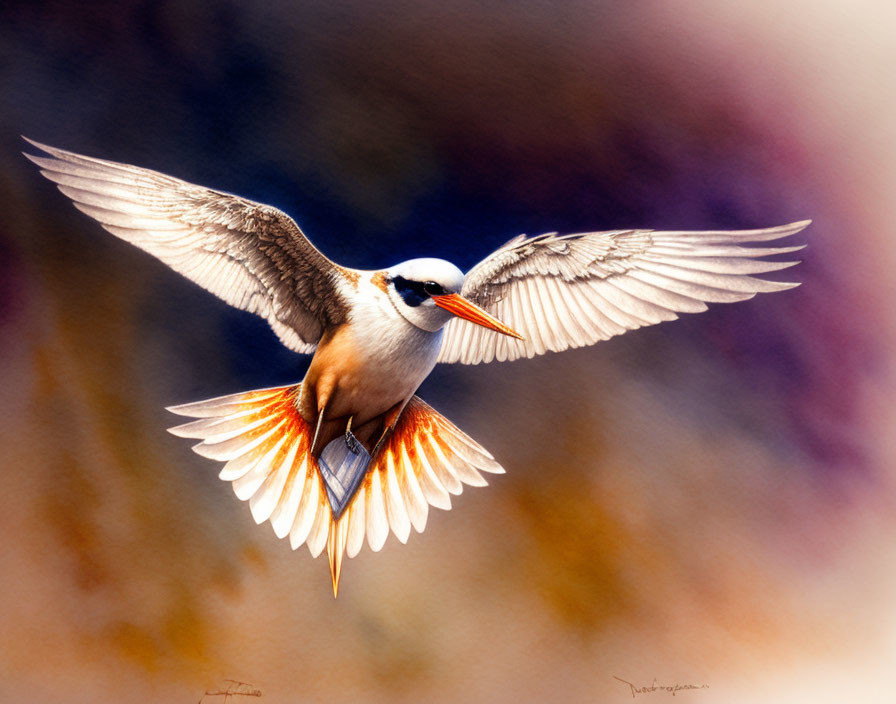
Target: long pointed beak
[{"x": 462, "y": 308}]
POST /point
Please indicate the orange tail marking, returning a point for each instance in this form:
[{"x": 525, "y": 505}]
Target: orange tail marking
[
  {"x": 425, "y": 459},
  {"x": 266, "y": 445}
]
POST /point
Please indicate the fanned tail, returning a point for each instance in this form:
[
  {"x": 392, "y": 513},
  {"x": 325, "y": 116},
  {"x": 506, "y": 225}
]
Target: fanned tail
[{"x": 266, "y": 444}]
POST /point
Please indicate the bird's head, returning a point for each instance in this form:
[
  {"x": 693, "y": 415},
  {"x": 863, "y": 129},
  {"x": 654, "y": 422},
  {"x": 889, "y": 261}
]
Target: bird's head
[{"x": 427, "y": 293}]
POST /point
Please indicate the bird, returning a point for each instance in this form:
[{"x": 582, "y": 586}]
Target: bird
[{"x": 350, "y": 452}]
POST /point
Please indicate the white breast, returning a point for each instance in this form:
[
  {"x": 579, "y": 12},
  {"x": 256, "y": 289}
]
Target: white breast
[{"x": 396, "y": 356}]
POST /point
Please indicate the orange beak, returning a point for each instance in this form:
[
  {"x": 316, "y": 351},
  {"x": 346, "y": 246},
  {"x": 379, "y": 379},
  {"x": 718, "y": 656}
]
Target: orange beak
[{"x": 462, "y": 308}]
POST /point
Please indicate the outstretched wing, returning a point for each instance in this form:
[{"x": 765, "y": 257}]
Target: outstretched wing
[
  {"x": 252, "y": 256},
  {"x": 561, "y": 291}
]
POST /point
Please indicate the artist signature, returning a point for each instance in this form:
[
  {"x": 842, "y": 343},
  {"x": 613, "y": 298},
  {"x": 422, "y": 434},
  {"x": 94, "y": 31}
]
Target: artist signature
[
  {"x": 660, "y": 687},
  {"x": 235, "y": 688}
]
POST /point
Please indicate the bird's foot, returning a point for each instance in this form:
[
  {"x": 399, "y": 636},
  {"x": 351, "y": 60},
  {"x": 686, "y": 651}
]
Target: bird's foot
[{"x": 350, "y": 440}]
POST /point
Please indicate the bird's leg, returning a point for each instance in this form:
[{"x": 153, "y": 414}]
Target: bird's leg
[
  {"x": 300, "y": 400},
  {"x": 389, "y": 420},
  {"x": 320, "y": 422},
  {"x": 350, "y": 439},
  {"x": 323, "y": 396}
]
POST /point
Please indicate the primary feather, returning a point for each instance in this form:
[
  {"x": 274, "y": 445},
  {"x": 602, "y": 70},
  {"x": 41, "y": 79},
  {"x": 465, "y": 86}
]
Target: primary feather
[
  {"x": 562, "y": 291},
  {"x": 252, "y": 256}
]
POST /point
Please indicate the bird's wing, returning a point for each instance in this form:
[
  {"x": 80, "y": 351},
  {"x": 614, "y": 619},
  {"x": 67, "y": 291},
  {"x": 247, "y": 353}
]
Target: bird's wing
[
  {"x": 561, "y": 291},
  {"x": 252, "y": 256}
]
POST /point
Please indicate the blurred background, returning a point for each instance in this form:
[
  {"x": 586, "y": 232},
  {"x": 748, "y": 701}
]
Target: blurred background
[{"x": 705, "y": 502}]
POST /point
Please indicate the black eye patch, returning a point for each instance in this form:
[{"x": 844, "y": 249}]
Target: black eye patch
[{"x": 412, "y": 292}]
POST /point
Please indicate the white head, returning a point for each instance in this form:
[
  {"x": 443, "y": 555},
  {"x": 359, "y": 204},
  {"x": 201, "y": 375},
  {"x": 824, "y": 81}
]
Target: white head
[
  {"x": 412, "y": 285},
  {"x": 427, "y": 293}
]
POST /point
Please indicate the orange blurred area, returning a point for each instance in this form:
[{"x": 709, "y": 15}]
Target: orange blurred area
[{"x": 706, "y": 502}]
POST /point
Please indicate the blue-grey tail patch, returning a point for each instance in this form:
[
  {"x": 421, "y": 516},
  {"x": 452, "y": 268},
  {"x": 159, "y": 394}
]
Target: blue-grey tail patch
[{"x": 343, "y": 464}]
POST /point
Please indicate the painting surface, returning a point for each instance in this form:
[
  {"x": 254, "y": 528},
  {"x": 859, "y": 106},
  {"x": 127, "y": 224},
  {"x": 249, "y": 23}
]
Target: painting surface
[{"x": 706, "y": 502}]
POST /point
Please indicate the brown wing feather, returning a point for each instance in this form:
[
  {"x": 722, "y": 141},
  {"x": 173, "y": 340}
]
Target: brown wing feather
[{"x": 251, "y": 255}]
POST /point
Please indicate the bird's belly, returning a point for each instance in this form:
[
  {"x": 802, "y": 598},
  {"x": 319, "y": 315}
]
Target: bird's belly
[{"x": 364, "y": 373}]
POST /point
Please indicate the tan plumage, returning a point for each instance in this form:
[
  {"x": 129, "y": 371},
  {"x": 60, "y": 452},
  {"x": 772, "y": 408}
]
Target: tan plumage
[{"x": 351, "y": 453}]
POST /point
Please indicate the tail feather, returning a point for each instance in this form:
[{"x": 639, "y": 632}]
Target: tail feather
[
  {"x": 250, "y": 483},
  {"x": 317, "y": 537},
  {"x": 307, "y": 510},
  {"x": 213, "y": 430},
  {"x": 265, "y": 499},
  {"x": 335, "y": 549},
  {"x": 225, "y": 450},
  {"x": 284, "y": 513},
  {"x": 266, "y": 445},
  {"x": 357, "y": 526},
  {"x": 239, "y": 466},
  {"x": 228, "y": 405}
]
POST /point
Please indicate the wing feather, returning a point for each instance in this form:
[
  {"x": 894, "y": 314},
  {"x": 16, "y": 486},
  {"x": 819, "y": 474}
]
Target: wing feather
[
  {"x": 252, "y": 256},
  {"x": 562, "y": 291}
]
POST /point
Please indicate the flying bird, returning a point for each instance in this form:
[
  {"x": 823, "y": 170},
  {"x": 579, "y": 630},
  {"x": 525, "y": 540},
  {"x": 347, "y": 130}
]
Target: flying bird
[{"x": 350, "y": 452}]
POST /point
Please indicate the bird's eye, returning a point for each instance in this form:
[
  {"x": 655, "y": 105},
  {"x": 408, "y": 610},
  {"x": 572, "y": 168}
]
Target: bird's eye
[{"x": 433, "y": 289}]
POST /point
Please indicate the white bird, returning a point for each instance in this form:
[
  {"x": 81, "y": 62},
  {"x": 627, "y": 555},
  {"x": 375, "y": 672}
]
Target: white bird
[{"x": 350, "y": 452}]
